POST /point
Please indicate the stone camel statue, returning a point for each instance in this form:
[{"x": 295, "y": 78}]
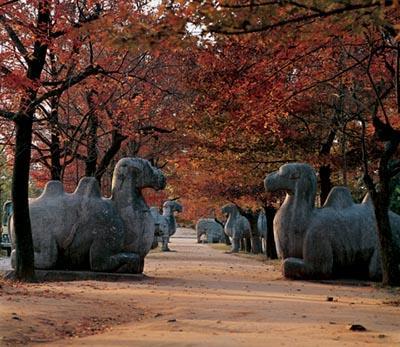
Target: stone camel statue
[
  {"x": 161, "y": 229},
  {"x": 84, "y": 231},
  {"x": 262, "y": 226},
  {"x": 237, "y": 226},
  {"x": 165, "y": 223},
  {"x": 169, "y": 207},
  {"x": 213, "y": 230},
  {"x": 338, "y": 239}
]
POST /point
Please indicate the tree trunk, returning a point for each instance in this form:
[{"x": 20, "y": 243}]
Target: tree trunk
[
  {"x": 91, "y": 159},
  {"x": 112, "y": 151},
  {"x": 55, "y": 141},
  {"x": 325, "y": 182},
  {"x": 255, "y": 241},
  {"x": 389, "y": 252},
  {"x": 381, "y": 197},
  {"x": 256, "y": 246},
  {"x": 271, "y": 247},
  {"x": 22, "y": 225},
  {"x": 23, "y": 140}
]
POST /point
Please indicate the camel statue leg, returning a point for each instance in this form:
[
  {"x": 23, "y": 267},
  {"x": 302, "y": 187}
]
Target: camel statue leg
[
  {"x": 103, "y": 260},
  {"x": 121, "y": 262},
  {"x": 165, "y": 240},
  {"x": 264, "y": 246},
  {"x": 236, "y": 243},
  {"x": 294, "y": 268},
  {"x": 318, "y": 259},
  {"x": 248, "y": 247},
  {"x": 154, "y": 245},
  {"x": 200, "y": 233}
]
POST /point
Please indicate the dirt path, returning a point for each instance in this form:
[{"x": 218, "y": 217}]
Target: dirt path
[{"x": 199, "y": 296}]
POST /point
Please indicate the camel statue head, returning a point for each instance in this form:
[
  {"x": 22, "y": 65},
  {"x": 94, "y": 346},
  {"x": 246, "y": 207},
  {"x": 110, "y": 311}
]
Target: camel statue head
[
  {"x": 137, "y": 173},
  {"x": 293, "y": 178},
  {"x": 172, "y": 206},
  {"x": 229, "y": 209}
]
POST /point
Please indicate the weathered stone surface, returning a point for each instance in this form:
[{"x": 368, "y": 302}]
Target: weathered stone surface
[
  {"x": 338, "y": 239},
  {"x": 213, "y": 231},
  {"x": 84, "y": 231},
  {"x": 161, "y": 229},
  {"x": 169, "y": 207},
  {"x": 262, "y": 226},
  {"x": 237, "y": 226},
  {"x": 165, "y": 223}
]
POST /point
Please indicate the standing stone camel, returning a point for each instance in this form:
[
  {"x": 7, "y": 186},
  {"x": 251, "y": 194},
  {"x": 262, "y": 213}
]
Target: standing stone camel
[
  {"x": 84, "y": 231},
  {"x": 338, "y": 239},
  {"x": 169, "y": 207},
  {"x": 262, "y": 226},
  {"x": 237, "y": 226},
  {"x": 161, "y": 229},
  {"x": 167, "y": 221}
]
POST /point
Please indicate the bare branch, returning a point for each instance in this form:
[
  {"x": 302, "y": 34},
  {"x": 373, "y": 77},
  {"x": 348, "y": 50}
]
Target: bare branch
[
  {"x": 298, "y": 19},
  {"x": 8, "y": 115},
  {"x": 15, "y": 39}
]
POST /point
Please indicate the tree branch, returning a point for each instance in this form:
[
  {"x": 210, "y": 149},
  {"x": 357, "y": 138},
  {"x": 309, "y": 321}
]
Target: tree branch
[
  {"x": 8, "y": 115},
  {"x": 89, "y": 71},
  {"x": 299, "y": 19},
  {"x": 15, "y": 39}
]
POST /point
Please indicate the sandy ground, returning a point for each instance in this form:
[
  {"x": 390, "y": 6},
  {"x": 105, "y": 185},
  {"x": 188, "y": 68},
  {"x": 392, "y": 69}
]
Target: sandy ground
[{"x": 199, "y": 296}]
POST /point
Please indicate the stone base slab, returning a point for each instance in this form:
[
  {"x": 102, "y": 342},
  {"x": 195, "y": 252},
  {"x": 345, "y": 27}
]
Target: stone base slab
[{"x": 60, "y": 275}]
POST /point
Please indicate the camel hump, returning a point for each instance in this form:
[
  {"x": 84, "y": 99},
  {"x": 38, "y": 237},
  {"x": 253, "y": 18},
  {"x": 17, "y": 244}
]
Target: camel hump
[
  {"x": 339, "y": 197},
  {"x": 53, "y": 189},
  {"x": 88, "y": 187}
]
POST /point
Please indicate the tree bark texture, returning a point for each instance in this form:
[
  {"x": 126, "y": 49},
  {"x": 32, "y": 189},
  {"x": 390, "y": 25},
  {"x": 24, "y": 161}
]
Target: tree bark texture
[
  {"x": 23, "y": 141},
  {"x": 22, "y": 224}
]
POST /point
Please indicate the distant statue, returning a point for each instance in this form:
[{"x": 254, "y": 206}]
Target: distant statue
[
  {"x": 83, "y": 231},
  {"x": 262, "y": 226},
  {"x": 165, "y": 223},
  {"x": 338, "y": 239},
  {"x": 237, "y": 226},
  {"x": 169, "y": 209},
  {"x": 5, "y": 242},
  {"x": 211, "y": 229},
  {"x": 161, "y": 229}
]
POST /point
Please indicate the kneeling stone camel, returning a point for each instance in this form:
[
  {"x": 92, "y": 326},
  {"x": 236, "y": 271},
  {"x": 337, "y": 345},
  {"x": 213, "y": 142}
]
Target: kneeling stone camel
[
  {"x": 213, "y": 230},
  {"x": 340, "y": 238},
  {"x": 84, "y": 231}
]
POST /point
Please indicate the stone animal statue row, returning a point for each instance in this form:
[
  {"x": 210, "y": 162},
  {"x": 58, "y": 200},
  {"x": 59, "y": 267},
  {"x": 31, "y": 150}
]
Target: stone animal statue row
[
  {"x": 83, "y": 230},
  {"x": 338, "y": 239},
  {"x": 165, "y": 223},
  {"x": 237, "y": 227}
]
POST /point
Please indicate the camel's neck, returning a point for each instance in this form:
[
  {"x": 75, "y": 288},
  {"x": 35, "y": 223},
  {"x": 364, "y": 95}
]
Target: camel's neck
[
  {"x": 231, "y": 219},
  {"x": 169, "y": 215},
  {"x": 166, "y": 211},
  {"x": 299, "y": 205},
  {"x": 126, "y": 196}
]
